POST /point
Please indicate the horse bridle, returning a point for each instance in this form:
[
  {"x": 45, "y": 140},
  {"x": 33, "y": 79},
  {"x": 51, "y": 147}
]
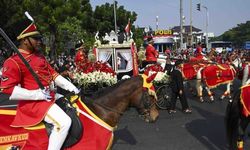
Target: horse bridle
[{"x": 145, "y": 99}]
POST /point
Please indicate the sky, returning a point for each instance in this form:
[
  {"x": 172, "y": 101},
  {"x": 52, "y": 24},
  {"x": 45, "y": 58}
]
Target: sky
[{"x": 223, "y": 15}]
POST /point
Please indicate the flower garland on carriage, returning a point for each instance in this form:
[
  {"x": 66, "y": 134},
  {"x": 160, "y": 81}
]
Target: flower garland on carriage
[
  {"x": 92, "y": 76},
  {"x": 157, "y": 72}
]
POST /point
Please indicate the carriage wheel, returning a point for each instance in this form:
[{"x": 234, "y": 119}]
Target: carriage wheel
[{"x": 164, "y": 97}]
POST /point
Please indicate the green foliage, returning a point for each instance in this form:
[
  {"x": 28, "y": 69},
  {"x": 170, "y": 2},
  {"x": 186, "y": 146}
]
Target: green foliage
[
  {"x": 63, "y": 22},
  {"x": 238, "y": 35}
]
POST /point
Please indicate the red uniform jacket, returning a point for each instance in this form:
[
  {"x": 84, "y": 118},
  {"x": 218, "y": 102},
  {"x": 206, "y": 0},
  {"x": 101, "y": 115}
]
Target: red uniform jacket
[
  {"x": 15, "y": 73},
  {"x": 80, "y": 57},
  {"x": 151, "y": 53},
  {"x": 198, "y": 52}
]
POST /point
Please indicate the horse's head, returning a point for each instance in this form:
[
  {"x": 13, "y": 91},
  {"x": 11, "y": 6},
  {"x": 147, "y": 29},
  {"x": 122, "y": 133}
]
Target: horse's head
[
  {"x": 143, "y": 100},
  {"x": 147, "y": 107}
]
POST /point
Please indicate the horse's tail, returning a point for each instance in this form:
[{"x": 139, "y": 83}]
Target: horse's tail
[{"x": 232, "y": 120}]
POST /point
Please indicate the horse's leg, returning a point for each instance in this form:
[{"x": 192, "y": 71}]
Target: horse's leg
[
  {"x": 243, "y": 122},
  {"x": 210, "y": 94},
  {"x": 199, "y": 90},
  {"x": 227, "y": 92},
  {"x": 199, "y": 86}
]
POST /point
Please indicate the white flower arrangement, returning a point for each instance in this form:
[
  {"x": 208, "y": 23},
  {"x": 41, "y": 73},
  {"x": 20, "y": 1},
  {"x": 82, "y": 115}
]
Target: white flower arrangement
[
  {"x": 161, "y": 78},
  {"x": 100, "y": 79}
]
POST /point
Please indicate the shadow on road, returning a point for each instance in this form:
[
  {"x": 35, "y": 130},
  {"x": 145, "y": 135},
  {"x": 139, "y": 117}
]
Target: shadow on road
[
  {"x": 124, "y": 136},
  {"x": 201, "y": 129}
]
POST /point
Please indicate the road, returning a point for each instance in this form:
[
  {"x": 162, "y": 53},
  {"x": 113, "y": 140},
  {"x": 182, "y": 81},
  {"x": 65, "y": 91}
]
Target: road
[{"x": 201, "y": 130}]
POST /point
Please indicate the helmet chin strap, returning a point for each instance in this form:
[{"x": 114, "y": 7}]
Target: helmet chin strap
[{"x": 33, "y": 48}]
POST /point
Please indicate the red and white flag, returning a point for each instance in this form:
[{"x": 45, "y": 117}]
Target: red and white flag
[{"x": 128, "y": 26}]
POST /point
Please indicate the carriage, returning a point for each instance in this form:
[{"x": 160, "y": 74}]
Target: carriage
[{"x": 120, "y": 54}]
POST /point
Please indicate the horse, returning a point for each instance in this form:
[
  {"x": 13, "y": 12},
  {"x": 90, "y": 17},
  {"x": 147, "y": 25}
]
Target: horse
[
  {"x": 214, "y": 75},
  {"x": 189, "y": 72},
  {"x": 245, "y": 74},
  {"x": 102, "y": 112},
  {"x": 237, "y": 118}
]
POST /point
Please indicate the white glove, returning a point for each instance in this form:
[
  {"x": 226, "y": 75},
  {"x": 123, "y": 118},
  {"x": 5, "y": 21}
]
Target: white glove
[
  {"x": 24, "y": 94},
  {"x": 43, "y": 95},
  {"x": 66, "y": 85}
]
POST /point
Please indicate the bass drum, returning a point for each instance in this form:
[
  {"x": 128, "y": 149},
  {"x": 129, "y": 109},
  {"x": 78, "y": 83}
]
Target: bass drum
[{"x": 163, "y": 96}]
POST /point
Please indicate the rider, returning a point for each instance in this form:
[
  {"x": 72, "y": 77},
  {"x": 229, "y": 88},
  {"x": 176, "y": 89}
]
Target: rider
[
  {"x": 151, "y": 53},
  {"x": 35, "y": 104},
  {"x": 212, "y": 55},
  {"x": 199, "y": 51},
  {"x": 81, "y": 54}
]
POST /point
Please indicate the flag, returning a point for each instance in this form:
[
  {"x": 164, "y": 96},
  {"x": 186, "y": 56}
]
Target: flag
[{"x": 128, "y": 26}]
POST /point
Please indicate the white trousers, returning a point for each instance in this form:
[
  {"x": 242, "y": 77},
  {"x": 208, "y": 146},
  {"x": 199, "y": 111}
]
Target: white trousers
[{"x": 61, "y": 122}]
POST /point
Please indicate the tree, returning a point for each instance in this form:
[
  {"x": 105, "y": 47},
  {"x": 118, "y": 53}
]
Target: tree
[
  {"x": 104, "y": 18},
  {"x": 238, "y": 35},
  {"x": 9, "y": 15},
  {"x": 52, "y": 14}
]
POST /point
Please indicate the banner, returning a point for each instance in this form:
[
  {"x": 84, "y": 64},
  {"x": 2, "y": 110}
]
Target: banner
[{"x": 135, "y": 60}]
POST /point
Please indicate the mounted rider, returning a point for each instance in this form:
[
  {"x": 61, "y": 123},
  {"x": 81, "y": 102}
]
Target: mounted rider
[
  {"x": 212, "y": 55},
  {"x": 35, "y": 104},
  {"x": 151, "y": 53},
  {"x": 81, "y": 54}
]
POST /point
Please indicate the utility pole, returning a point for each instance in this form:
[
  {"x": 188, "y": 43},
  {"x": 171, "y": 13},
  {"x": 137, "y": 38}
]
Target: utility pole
[
  {"x": 181, "y": 25},
  {"x": 115, "y": 17},
  {"x": 191, "y": 25},
  {"x": 206, "y": 26},
  {"x": 157, "y": 22}
]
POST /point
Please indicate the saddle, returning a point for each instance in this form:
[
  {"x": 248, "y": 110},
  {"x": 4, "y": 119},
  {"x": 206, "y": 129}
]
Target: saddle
[{"x": 76, "y": 129}]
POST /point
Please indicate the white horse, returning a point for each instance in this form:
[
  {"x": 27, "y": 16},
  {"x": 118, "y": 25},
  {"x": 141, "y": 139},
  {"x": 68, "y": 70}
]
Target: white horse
[
  {"x": 246, "y": 75},
  {"x": 236, "y": 64}
]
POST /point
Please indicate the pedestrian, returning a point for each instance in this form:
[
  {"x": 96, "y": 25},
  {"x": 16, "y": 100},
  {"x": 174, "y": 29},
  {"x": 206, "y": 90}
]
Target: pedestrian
[
  {"x": 178, "y": 89},
  {"x": 35, "y": 105}
]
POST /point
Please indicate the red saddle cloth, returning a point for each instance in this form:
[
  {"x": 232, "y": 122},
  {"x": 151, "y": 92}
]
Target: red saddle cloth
[
  {"x": 245, "y": 100},
  {"x": 24, "y": 139},
  {"x": 97, "y": 135},
  {"x": 215, "y": 75}
]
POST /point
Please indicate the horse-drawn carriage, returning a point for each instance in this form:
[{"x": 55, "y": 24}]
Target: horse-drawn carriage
[{"x": 120, "y": 56}]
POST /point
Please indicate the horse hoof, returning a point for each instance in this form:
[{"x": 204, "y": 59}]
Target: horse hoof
[{"x": 201, "y": 100}]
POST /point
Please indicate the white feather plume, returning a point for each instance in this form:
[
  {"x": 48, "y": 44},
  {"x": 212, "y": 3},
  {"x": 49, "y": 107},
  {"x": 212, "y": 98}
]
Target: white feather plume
[{"x": 28, "y": 16}]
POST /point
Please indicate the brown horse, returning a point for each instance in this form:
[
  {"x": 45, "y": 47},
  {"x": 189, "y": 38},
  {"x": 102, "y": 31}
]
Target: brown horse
[
  {"x": 109, "y": 104},
  {"x": 99, "y": 115}
]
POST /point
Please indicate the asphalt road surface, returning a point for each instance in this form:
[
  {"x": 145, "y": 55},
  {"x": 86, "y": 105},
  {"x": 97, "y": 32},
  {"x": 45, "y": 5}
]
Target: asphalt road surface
[{"x": 204, "y": 129}]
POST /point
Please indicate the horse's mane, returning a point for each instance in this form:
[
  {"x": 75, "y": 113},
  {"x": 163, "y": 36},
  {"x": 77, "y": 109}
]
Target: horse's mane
[{"x": 109, "y": 89}]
